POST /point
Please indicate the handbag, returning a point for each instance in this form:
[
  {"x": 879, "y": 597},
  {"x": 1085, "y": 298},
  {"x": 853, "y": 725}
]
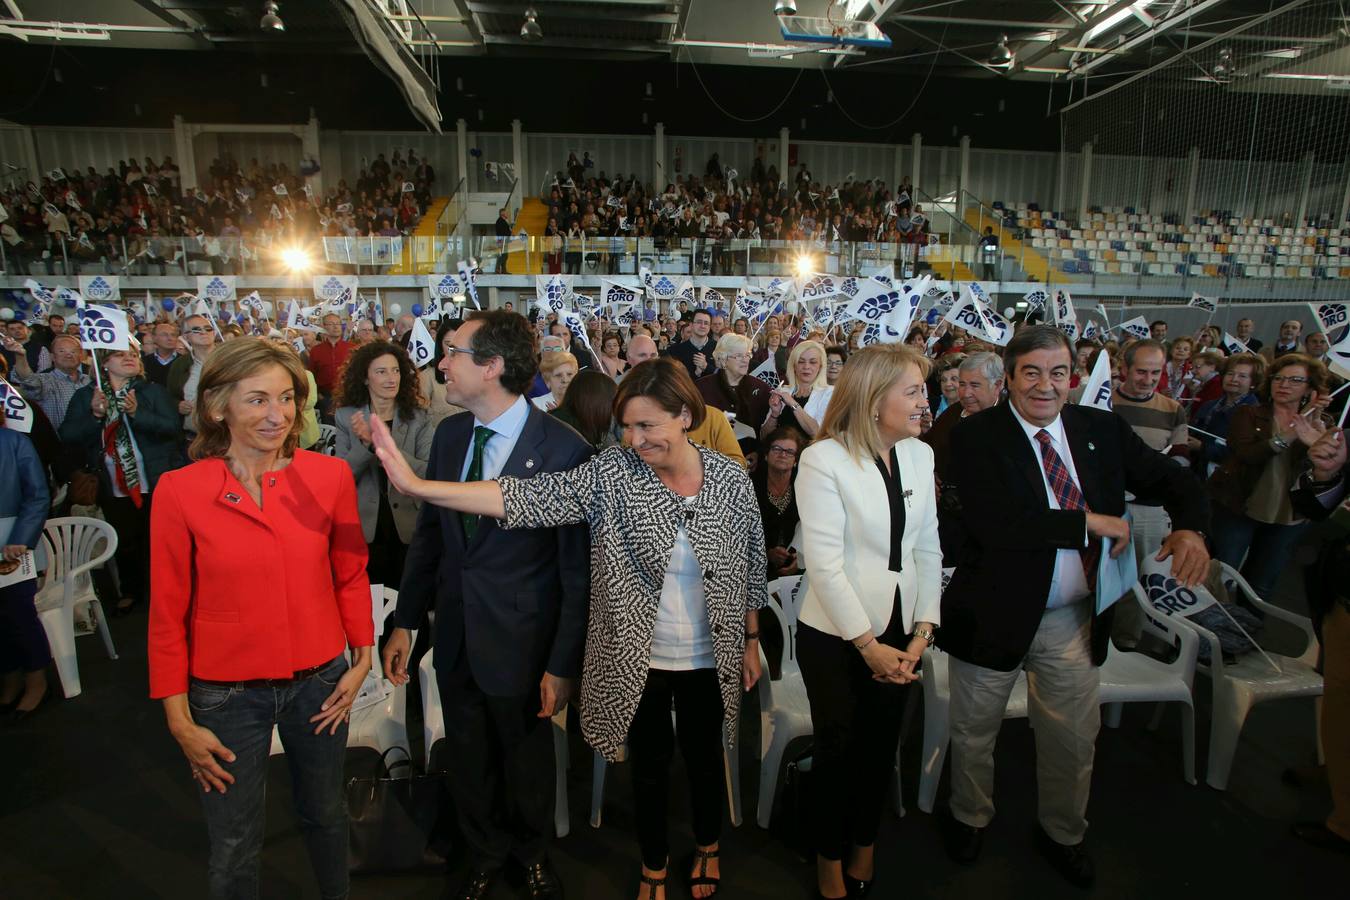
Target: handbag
[
  {"x": 83, "y": 488},
  {"x": 396, "y": 823}
]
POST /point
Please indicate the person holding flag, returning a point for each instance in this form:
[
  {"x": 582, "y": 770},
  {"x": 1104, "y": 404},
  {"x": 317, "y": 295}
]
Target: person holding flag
[
  {"x": 379, "y": 380},
  {"x": 128, "y": 433}
]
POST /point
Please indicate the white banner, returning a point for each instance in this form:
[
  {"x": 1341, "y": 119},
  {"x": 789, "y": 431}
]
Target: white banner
[
  {"x": 767, "y": 372},
  {"x": 1064, "y": 315},
  {"x": 1232, "y": 346},
  {"x": 445, "y": 287},
  {"x": 102, "y": 289},
  {"x": 975, "y": 316},
  {"x": 1097, "y": 391},
  {"x": 18, "y": 414},
  {"x": 104, "y": 328},
  {"x": 552, "y": 292},
  {"x": 330, "y": 287},
  {"x": 1338, "y": 358},
  {"x": 421, "y": 346},
  {"x": 216, "y": 288},
  {"x": 302, "y": 318},
  {"x": 1330, "y": 316}
]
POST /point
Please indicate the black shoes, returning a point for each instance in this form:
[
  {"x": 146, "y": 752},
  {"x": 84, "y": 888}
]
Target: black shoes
[
  {"x": 542, "y": 882},
  {"x": 1072, "y": 862},
  {"x": 856, "y": 887},
  {"x": 963, "y": 841},
  {"x": 476, "y": 886},
  {"x": 1320, "y": 836}
]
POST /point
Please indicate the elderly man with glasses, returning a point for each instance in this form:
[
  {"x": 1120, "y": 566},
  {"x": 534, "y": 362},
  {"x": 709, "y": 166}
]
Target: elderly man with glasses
[{"x": 185, "y": 370}]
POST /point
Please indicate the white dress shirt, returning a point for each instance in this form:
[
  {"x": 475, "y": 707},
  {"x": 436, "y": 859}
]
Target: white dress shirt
[
  {"x": 1069, "y": 582},
  {"x": 507, "y": 428}
]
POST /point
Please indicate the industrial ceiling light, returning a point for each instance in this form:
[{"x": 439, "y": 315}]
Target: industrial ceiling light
[
  {"x": 1001, "y": 56},
  {"x": 785, "y": 7},
  {"x": 531, "y": 31},
  {"x": 271, "y": 18}
]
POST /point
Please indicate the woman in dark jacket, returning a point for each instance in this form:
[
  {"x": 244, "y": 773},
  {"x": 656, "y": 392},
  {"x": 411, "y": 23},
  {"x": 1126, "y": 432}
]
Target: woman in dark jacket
[
  {"x": 24, "y": 654},
  {"x": 731, "y": 388},
  {"x": 128, "y": 433},
  {"x": 774, "y": 480}
]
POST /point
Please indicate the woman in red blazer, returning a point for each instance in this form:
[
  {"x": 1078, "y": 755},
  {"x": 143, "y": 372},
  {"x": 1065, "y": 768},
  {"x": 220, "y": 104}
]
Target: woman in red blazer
[{"x": 258, "y": 586}]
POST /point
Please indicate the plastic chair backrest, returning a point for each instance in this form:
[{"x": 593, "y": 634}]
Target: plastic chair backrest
[
  {"x": 785, "y": 598},
  {"x": 1183, "y": 640},
  {"x": 72, "y": 543},
  {"x": 387, "y": 610}
]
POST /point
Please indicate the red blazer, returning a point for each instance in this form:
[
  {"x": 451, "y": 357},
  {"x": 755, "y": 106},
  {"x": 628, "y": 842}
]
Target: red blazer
[{"x": 240, "y": 593}]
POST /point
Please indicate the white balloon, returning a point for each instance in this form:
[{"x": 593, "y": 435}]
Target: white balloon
[
  {"x": 1008, "y": 312},
  {"x": 7, "y": 314},
  {"x": 395, "y": 308}
]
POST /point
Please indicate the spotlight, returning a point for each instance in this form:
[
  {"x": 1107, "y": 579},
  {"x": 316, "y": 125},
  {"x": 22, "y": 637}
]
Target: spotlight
[
  {"x": 785, "y": 8},
  {"x": 1001, "y": 56},
  {"x": 271, "y": 18},
  {"x": 531, "y": 31},
  {"x": 295, "y": 258},
  {"x": 804, "y": 265}
]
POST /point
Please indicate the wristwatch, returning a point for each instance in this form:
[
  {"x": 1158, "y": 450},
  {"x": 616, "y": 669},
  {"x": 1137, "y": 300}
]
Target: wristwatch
[{"x": 926, "y": 634}]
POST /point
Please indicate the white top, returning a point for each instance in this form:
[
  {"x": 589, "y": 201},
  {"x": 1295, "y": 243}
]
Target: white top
[
  {"x": 1069, "y": 582},
  {"x": 682, "y": 639},
  {"x": 818, "y": 401},
  {"x": 545, "y": 402}
]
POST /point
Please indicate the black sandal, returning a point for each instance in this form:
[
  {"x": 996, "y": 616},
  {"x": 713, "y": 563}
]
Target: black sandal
[
  {"x": 652, "y": 884},
  {"x": 703, "y": 879}
]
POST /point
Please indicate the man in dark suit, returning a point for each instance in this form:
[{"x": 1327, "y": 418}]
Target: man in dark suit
[
  {"x": 696, "y": 351},
  {"x": 1041, "y": 484},
  {"x": 511, "y": 606}
]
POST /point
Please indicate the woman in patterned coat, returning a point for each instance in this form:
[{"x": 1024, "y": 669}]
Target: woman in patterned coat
[{"x": 677, "y": 579}]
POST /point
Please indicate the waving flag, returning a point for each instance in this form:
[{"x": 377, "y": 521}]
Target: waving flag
[
  {"x": 551, "y": 291},
  {"x": 468, "y": 271},
  {"x": 1208, "y": 304},
  {"x": 1232, "y": 346},
  {"x": 1338, "y": 360},
  {"x": 767, "y": 372},
  {"x": 104, "y": 328},
  {"x": 18, "y": 414},
  {"x": 421, "y": 346},
  {"x": 1330, "y": 317},
  {"x": 1097, "y": 391},
  {"x": 1136, "y": 328},
  {"x": 1064, "y": 315}
]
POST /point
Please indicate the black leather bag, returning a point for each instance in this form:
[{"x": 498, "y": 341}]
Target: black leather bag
[{"x": 397, "y": 824}]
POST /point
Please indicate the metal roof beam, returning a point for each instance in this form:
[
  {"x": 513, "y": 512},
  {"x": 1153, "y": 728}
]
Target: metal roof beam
[
  {"x": 1074, "y": 36},
  {"x": 551, "y": 12}
]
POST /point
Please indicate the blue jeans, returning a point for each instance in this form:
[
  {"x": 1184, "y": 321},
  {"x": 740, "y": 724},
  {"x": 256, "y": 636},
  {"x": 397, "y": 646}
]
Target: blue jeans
[
  {"x": 1267, "y": 548},
  {"x": 242, "y": 718}
]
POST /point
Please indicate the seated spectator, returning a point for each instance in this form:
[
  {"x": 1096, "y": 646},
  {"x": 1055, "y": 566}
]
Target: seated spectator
[
  {"x": 948, "y": 382},
  {"x": 773, "y": 480},
  {"x": 806, "y": 395},
  {"x": 731, "y": 389},
  {"x": 835, "y": 357},
  {"x": 611, "y": 361},
  {"x": 1177, "y": 373},
  {"x": 1205, "y": 384},
  {"x": 557, "y": 369}
]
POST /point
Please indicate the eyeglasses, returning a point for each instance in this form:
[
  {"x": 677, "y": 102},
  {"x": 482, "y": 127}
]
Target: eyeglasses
[
  {"x": 196, "y": 331},
  {"x": 835, "y": 363},
  {"x": 783, "y": 451},
  {"x": 738, "y": 356},
  {"x": 451, "y": 350},
  {"x": 1291, "y": 379}
]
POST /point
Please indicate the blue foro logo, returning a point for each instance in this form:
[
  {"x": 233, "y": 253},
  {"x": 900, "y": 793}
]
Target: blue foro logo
[
  {"x": 96, "y": 328},
  {"x": 216, "y": 289},
  {"x": 99, "y": 289},
  {"x": 1333, "y": 315},
  {"x": 1170, "y": 596}
]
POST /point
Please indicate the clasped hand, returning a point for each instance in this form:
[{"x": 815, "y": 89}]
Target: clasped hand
[{"x": 891, "y": 664}]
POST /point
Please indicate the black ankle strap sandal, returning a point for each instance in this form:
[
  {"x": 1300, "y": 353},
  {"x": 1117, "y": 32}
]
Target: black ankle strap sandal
[{"x": 703, "y": 879}]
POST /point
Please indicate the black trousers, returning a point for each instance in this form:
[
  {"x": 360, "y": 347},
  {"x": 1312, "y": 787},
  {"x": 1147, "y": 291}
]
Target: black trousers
[
  {"x": 132, "y": 525},
  {"x": 856, "y": 721},
  {"x": 697, "y": 701},
  {"x": 501, "y": 770}
]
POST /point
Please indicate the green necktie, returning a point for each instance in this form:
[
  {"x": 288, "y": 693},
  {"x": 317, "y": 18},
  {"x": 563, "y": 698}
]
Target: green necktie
[{"x": 481, "y": 434}]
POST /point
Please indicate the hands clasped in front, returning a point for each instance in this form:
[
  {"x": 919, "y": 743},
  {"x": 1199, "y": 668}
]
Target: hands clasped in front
[{"x": 891, "y": 664}]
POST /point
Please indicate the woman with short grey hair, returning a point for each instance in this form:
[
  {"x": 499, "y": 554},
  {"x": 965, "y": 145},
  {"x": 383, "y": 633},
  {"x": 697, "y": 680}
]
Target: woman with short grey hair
[{"x": 731, "y": 388}]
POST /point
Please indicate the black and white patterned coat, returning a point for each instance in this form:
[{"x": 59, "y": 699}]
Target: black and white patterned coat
[{"x": 633, "y": 519}]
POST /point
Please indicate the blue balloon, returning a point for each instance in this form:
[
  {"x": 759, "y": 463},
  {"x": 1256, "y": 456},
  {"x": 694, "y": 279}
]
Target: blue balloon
[
  {"x": 168, "y": 304},
  {"x": 70, "y": 302},
  {"x": 21, "y": 303},
  {"x": 241, "y": 318},
  {"x": 417, "y": 309}
]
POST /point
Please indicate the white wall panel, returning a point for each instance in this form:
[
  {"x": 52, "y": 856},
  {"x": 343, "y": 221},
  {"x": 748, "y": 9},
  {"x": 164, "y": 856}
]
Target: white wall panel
[
  {"x": 103, "y": 148},
  {"x": 492, "y": 147},
  {"x": 737, "y": 153},
  {"x": 13, "y": 152},
  {"x": 1013, "y": 176}
]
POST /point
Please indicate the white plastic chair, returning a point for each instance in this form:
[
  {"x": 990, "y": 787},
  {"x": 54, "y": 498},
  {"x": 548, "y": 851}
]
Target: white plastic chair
[
  {"x": 1136, "y": 677},
  {"x": 784, "y": 712},
  {"x": 433, "y": 729},
  {"x": 378, "y": 726},
  {"x": 327, "y": 443},
  {"x": 75, "y": 545},
  {"x": 1251, "y": 680},
  {"x": 937, "y": 697}
]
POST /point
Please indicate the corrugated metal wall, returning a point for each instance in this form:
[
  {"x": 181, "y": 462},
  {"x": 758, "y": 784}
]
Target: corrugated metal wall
[
  {"x": 1012, "y": 176},
  {"x": 613, "y": 154},
  {"x": 831, "y": 162},
  {"x": 14, "y": 155},
  {"x": 79, "y": 148},
  {"x": 689, "y": 155}
]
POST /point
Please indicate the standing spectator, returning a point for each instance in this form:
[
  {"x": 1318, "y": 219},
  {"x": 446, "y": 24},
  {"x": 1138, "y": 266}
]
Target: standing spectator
[
  {"x": 806, "y": 395},
  {"x": 259, "y": 588},
  {"x": 379, "y": 381},
  {"x": 588, "y": 407},
  {"x": 52, "y": 390},
  {"x": 1205, "y": 385},
  {"x": 503, "y": 671},
  {"x": 1254, "y": 517},
  {"x": 24, "y": 654},
  {"x": 696, "y": 352},
  {"x": 1288, "y": 342},
  {"x": 502, "y": 229},
  {"x": 835, "y": 357},
  {"x": 326, "y": 359},
  {"x": 611, "y": 361},
  {"x": 1176, "y": 374},
  {"x": 1245, "y": 327},
  {"x": 677, "y": 582},
  {"x": 185, "y": 372},
  {"x": 582, "y": 356},
  {"x": 163, "y": 351},
  {"x": 871, "y": 598},
  {"x": 129, "y": 436},
  {"x": 989, "y": 256},
  {"x": 731, "y": 388},
  {"x": 1242, "y": 377}
]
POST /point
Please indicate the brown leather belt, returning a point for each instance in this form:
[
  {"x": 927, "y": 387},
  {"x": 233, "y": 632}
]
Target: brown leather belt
[{"x": 301, "y": 675}]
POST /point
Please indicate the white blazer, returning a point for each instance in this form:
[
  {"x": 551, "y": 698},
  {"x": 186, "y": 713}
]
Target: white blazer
[{"x": 846, "y": 540}]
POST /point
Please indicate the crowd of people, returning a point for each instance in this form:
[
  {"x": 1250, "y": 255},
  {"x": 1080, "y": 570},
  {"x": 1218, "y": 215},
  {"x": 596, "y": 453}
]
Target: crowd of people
[
  {"x": 138, "y": 219},
  {"x": 720, "y": 206},
  {"x": 602, "y": 520}
]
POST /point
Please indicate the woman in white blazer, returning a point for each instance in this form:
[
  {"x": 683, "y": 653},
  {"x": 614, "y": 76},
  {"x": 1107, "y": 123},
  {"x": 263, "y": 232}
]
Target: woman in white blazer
[{"x": 872, "y": 595}]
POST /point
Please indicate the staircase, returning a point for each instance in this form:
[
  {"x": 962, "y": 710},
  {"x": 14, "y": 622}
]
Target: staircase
[
  {"x": 532, "y": 219},
  {"x": 419, "y": 248},
  {"x": 947, "y": 265},
  {"x": 1032, "y": 262}
]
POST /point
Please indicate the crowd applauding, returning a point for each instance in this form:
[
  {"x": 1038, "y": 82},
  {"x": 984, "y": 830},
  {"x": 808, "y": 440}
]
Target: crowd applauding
[{"x": 601, "y": 518}]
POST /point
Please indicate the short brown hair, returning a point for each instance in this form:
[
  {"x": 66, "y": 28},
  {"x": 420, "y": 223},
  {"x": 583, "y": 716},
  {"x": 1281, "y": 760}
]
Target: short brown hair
[
  {"x": 1317, "y": 373},
  {"x": 1258, "y": 364},
  {"x": 225, "y": 367},
  {"x": 666, "y": 383}
]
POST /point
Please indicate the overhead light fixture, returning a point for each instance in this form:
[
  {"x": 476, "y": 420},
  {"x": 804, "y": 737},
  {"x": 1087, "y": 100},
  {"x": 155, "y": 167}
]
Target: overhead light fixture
[
  {"x": 1001, "y": 56},
  {"x": 530, "y": 31},
  {"x": 785, "y": 7},
  {"x": 271, "y": 18}
]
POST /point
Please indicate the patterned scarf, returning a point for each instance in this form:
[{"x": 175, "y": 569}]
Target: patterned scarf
[{"x": 117, "y": 442}]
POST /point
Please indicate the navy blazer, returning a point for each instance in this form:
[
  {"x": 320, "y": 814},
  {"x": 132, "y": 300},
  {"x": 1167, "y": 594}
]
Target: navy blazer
[
  {"x": 514, "y": 603},
  {"x": 23, "y": 489},
  {"x": 994, "y": 602}
]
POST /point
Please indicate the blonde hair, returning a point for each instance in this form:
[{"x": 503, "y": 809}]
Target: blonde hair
[
  {"x": 551, "y": 361},
  {"x": 796, "y": 354},
  {"x": 225, "y": 367},
  {"x": 851, "y": 416}
]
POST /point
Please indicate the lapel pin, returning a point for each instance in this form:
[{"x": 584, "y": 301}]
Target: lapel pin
[
  {"x": 232, "y": 497},
  {"x": 1091, "y": 446},
  {"x": 529, "y": 464}
]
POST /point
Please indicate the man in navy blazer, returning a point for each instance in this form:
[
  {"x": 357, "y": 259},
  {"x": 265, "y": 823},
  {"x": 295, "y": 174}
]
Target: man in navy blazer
[
  {"x": 1040, "y": 484},
  {"x": 511, "y": 606}
]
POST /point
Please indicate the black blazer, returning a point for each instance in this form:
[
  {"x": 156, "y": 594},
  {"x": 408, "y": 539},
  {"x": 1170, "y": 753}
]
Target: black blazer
[
  {"x": 157, "y": 427},
  {"x": 514, "y": 602},
  {"x": 994, "y": 603}
]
